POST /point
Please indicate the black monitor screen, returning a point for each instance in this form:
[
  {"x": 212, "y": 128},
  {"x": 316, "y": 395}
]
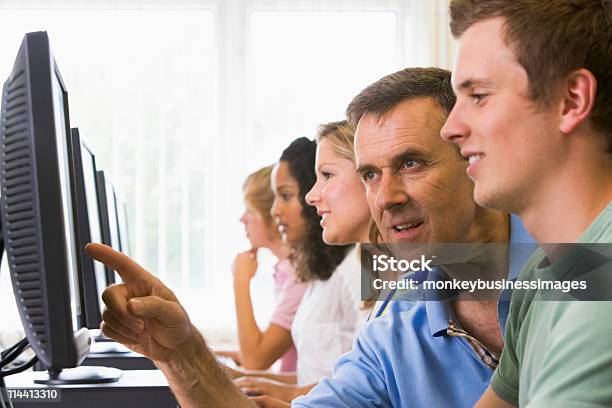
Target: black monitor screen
[
  {"x": 64, "y": 176},
  {"x": 93, "y": 212},
  {"x": 112, "y": 216}
]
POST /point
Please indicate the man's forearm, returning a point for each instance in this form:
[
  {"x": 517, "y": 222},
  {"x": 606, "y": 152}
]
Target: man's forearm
[{"x": 197, "y": 380}]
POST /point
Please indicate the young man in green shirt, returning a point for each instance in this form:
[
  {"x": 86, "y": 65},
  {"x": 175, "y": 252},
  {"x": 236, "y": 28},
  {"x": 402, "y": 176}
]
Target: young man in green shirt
[{"x": 533, "y": 80}]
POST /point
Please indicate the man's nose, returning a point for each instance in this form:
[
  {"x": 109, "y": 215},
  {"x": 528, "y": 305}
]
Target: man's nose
[{"x": 391, "y": 192}]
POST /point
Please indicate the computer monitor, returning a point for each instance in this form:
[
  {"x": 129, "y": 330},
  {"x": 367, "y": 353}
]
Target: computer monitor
[
  {"x": 108, "y": 218},
  {"x": 92, "y": 273},
  {"x": 122, "y": 218},
  {"x": 36, "y": 207}
]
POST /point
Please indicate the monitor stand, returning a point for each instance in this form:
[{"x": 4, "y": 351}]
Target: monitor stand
[
  {"x": 109, "y": 353},
  {"x": 108, "y": 347},
  {"x": 103, "y": 345},
  {"x": 81, "y": 375},
  {"x": 98, "y": 336}
]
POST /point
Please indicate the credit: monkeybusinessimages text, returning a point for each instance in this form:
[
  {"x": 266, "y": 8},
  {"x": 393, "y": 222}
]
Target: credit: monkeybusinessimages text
[{"x": 478, "y": 285}]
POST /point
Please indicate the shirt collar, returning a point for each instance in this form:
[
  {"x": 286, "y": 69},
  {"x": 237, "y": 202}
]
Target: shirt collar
[
  {"x": 437, "y": 316},
  {"x": 438, "y": 311}
]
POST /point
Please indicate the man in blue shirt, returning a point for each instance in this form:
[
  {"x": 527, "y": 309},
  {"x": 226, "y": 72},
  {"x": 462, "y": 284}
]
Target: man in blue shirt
[
  {"x": 424, "y": 353},
  {"x": 410, "y": 357},
  {"x": 420, "y": 353}
]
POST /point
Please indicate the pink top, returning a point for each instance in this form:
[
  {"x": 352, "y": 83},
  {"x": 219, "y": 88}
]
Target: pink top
[{"x": 288, "y": 294}]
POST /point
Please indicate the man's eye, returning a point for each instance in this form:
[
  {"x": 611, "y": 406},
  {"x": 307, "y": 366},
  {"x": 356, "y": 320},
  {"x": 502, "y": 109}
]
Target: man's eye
[
  {"x": 410, "y": 164},
  {"x": 368, "y": 175}
]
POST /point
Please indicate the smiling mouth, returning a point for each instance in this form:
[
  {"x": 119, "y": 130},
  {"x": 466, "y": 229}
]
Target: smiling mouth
[
  {"x": 407, "y": 226},
  {"x": 474, "y": 158}
]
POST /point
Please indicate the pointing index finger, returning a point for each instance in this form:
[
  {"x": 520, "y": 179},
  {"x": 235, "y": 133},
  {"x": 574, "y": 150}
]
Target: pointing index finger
[{"x": 128, "y": 269}]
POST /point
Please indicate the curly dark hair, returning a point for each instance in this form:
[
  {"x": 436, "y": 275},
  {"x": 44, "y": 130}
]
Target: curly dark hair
[{"x": 313, "y": 258}]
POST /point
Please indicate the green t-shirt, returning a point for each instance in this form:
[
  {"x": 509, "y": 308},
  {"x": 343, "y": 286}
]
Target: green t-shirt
[{"x": 558, "y": 353}]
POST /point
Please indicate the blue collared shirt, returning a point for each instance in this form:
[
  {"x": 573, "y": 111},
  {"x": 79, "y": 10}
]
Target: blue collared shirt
[{"x": 405, "y": 358}]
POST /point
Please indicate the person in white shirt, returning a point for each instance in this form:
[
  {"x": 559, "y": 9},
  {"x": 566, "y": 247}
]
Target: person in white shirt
[
  {"x": 331, "y": 312},
  {"x": 314, "y": 261}
]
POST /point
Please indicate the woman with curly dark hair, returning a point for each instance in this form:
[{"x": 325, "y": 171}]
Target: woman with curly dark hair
[
  {"x": 299, "y": 224},
  {"x": 332, "y": 308},
  {"x": 326, "y": 321}
]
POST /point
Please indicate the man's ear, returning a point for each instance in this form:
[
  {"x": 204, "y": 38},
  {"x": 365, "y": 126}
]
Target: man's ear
[{"x": 578, "y": 92}]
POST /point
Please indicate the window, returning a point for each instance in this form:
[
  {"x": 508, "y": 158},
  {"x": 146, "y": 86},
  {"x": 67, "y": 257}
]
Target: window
[
  {"x": 304, "y": 67},
  {"x": 181, "y": 100}
]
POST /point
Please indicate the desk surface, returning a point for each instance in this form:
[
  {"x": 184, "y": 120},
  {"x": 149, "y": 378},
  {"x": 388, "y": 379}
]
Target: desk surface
[
  {"x": 129, "y": 378},
  {"x": 135, "y": 388}
]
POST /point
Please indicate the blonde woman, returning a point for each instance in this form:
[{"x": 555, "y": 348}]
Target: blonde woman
[{"x": 259, "y": 349}]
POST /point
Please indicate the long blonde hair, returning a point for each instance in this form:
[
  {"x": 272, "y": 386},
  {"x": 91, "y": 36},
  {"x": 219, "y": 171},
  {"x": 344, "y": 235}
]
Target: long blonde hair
[{"x": 341, "y": 138}]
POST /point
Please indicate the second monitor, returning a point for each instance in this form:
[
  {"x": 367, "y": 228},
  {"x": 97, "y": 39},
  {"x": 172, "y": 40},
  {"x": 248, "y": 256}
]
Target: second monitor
[{"x": 109, "y": 219}]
